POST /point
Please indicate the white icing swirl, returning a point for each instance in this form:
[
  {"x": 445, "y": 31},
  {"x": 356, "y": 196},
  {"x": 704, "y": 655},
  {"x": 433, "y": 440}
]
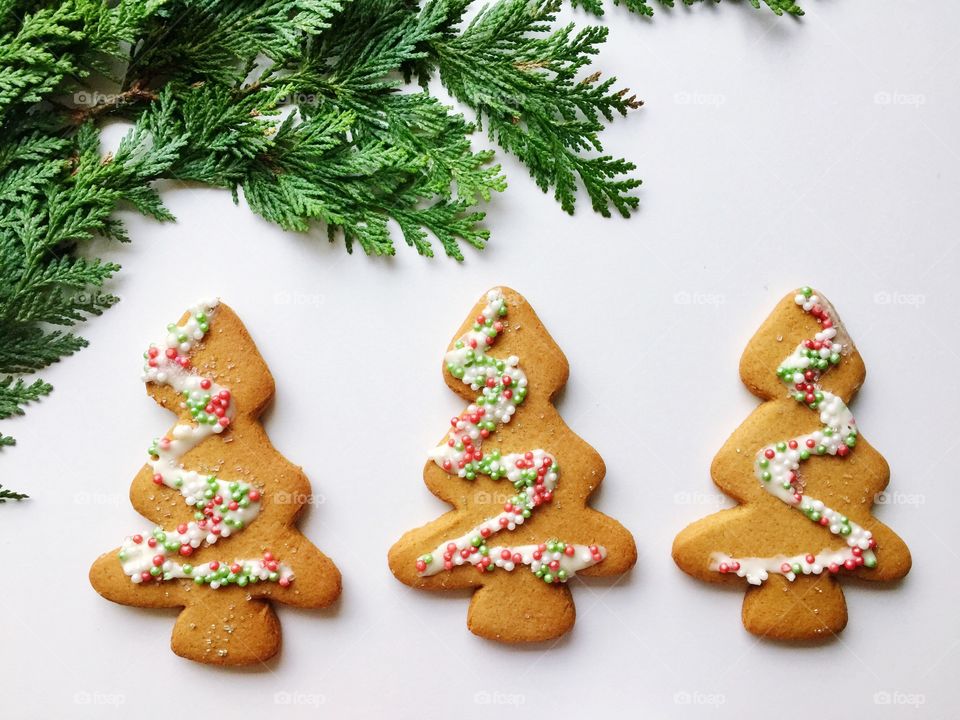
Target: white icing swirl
[
  {"x": 502, "y": 385},
  {"x": 222, "y": 507},
  {"x": 777, "y": 467}
]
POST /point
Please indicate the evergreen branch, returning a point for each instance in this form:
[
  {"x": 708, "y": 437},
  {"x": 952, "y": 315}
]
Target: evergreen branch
[
  {"x": 6, "y": 494},
  {"x": 521, "y": 79},
  {"x": 14, "y": 394},
  {"x": 221, "y": 131},
  {"x": 220, "y": 40},
  {"x": 34, "y": 349},
  {"x": 311, "y": 173},
  {"x": 34, "y": 59},
  {"x": 645, "y": 7},
  {"x": 136, "y": 93}
]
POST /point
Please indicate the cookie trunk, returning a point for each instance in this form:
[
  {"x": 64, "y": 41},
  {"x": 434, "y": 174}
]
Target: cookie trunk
[
  {"x": 529, "y": 612},
  {"x": 222, "y": 630},
  {"x": 807, "y": 608}
]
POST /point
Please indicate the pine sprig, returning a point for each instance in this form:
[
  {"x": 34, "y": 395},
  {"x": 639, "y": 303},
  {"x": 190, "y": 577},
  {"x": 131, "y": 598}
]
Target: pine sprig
[
  {"x": 645, "y": 7},
  {"x": 34, "y": 57},
  {"x": 5, "y": 494},
  {"x": 220, "y": 41},
  {"x": 522, "y": 79},
  {"x": 14, "y": 394}
]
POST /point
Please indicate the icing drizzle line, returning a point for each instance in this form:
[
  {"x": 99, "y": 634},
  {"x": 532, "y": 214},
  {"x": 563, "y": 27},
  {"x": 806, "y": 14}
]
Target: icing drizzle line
[
  {"x": 776, "y": 466},
  {"x": 222, "y": 507},
  {"x": 503, "y": 386}
]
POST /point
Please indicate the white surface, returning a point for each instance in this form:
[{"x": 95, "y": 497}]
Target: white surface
[{"x": 769, "y": 163}]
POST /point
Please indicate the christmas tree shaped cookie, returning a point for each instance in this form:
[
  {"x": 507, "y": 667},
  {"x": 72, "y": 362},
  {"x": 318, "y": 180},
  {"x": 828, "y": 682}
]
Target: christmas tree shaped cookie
[
  {"x": 519, "y": 480},
  {"x": 224, "y": 502},
  {"x": 805, "y": 479}
]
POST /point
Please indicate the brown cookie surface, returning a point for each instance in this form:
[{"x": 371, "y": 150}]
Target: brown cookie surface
[
  {"x": 225, "y": 580},
  {"x": 805, "y": 478},
  {"x": 520, "y": 598}
]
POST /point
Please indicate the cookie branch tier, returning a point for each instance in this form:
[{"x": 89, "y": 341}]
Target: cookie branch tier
[
  {"x": 777, "y": 465},
  {"x": 221, "y": 507},
  {"x": 502, "y": 385}
]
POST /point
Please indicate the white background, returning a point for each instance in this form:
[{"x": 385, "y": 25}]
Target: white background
[{"x": 775, "y": 153}]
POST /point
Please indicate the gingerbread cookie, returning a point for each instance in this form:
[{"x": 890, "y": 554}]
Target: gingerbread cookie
[
  {"x": 519, "y": 480},
  {"x": 805, "y": 479},
  {"x": 223, "y": 499}
]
